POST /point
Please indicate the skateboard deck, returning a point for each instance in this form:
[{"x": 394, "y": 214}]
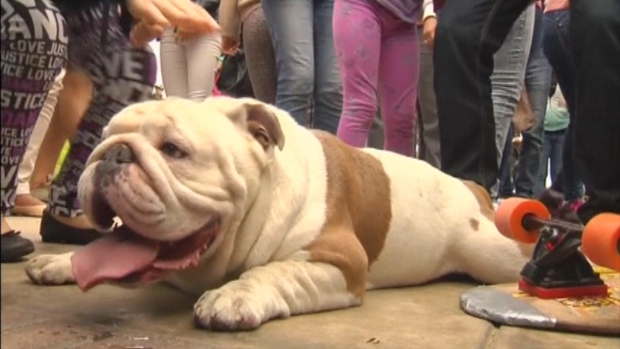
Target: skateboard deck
[{"x": 505, "y": 304}]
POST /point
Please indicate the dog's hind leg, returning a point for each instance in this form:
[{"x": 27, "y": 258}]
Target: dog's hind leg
[{"x": 486, "y": 255}]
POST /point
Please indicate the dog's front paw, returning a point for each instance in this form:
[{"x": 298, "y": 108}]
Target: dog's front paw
[
  {"x": 51, "y": 269},
  {"x": 233, "y": 307}
]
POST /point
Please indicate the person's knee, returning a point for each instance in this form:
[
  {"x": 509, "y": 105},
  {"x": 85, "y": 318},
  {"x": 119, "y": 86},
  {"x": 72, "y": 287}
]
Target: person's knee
[
  {"x": 455, "y": 28},
  {"x": 296, "y": 82},
  {"x": 399, "y": 124},
  {"x": 330, "y": 90},
  {"x": 76, "y": 93}
]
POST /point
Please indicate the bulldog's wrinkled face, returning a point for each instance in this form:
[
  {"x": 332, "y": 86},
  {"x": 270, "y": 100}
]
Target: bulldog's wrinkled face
[{"x": 175, "y": 172}]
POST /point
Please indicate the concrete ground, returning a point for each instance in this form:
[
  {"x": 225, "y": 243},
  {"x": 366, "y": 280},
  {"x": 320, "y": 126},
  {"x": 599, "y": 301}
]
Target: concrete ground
[{"x": 160, "y": 317}]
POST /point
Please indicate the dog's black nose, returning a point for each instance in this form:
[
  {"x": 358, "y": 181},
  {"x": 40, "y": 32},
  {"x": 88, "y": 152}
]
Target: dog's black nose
[{"x": 120, "y": 154}]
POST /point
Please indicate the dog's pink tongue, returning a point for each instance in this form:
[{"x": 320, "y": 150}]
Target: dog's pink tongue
[{"x": 112, "y": 257}]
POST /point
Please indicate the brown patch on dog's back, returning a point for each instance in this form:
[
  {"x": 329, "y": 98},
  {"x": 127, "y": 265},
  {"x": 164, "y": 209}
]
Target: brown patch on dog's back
[
  {"x": 487, "y": 209},
  {"x": 474, "y": 223},
  {"x": 484, "y": 199},
  {"x": 358, "y": 212}
]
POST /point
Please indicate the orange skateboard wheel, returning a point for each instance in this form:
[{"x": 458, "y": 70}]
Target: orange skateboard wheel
[
  {"x": 599, "y": 241},
  {"x": 509, "y": 218}
]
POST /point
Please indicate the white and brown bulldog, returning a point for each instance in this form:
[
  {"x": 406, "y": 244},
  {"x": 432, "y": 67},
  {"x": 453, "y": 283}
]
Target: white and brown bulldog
[{"x": 232, "y": 200}]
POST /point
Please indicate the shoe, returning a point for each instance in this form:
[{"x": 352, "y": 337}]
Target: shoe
[
  {"x": 14, "y": 247},
  {"x": 553, "y": 200},
  {"x": 575, "y": 204},
  {"x": 568, "y": 210},
  {"x": 53, "y": 231},
  {"x": 41, "y": 193}
]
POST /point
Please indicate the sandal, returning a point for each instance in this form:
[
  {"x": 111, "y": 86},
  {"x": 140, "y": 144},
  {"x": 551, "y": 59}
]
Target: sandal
[{"x": 42, "y": 191}]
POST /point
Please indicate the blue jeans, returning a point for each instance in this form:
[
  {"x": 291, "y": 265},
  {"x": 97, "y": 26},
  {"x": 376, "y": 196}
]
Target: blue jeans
[
  {"x": 558, "y": 49},
  {"x": 309, "y": 86},
  {"x": 429, "y": 125},
  {"x": 506, "y": 184},
  {"x": 508, "y": 75},
  {"x": 537, "y": 82},
  {"x": 553, "y": 143},
  {"x": 507, "y": 84}
]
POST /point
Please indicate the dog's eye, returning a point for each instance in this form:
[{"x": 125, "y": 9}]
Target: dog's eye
[{"x": 171, "y": 150}]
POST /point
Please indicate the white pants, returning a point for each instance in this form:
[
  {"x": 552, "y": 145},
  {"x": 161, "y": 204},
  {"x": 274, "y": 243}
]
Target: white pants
[
  {"x": 36, "y": 138},
  {"x": 188, "y": 68}
]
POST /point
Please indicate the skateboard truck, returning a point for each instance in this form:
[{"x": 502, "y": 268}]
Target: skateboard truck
[{"x": 557, "y": 268}]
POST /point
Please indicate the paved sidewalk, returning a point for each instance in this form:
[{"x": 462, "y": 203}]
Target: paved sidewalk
[{"x": 159, "y": 317}]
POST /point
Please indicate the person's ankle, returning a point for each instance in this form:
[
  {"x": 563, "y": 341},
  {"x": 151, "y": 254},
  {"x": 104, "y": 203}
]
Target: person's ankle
[
  {"x": 27, "y": 200},
  {"x": 40, "y": 182},
  {"x": 5, "y": 226}
]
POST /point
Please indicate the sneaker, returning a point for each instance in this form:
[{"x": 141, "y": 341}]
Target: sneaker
[
  {"x": 14, "y": 247},
  {"x": 568, "y": 210},
  {"x": 53, "y": 231},
  {"x": 575, "y": 204},
  {"x": 553, "y": 200}
]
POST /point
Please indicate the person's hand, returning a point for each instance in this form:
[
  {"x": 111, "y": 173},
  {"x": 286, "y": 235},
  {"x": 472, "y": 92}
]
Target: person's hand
[
  {"x": 428, "y": 29},
  {"x": 230, "y": 45},
  {"x": 183, "y": 14},
  {"x": 142, "y": 33}
]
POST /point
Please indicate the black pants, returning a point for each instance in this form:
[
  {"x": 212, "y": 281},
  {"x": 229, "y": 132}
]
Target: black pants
[
  {"x": 469, "y": 33},
  {"x": 595, "y": 34}
]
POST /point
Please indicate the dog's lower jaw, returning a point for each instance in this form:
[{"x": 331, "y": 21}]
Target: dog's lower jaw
[{"x": 129, "y": 258}]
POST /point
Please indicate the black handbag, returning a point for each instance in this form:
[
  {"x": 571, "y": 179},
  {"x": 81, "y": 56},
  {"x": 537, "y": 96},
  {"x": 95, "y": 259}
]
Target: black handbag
[{"x": 234, "y": 79}]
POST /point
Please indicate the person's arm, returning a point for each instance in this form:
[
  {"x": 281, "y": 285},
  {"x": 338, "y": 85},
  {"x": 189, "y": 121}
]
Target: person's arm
[
  {"x": 230, "y": 21},
  {"x": 428, "y": 9},
  {"x": 429, "y": 23}
]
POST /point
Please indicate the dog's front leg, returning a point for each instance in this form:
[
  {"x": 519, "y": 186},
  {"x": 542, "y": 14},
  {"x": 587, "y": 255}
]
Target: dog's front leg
[
  {"x": 278, "y": 289},
  {"x": 51, "y": 269}
]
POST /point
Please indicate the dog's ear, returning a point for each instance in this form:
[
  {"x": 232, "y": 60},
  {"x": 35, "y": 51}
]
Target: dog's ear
[
  {"x": 106, "y": 132},
  {"x": 262, "y": 123}
]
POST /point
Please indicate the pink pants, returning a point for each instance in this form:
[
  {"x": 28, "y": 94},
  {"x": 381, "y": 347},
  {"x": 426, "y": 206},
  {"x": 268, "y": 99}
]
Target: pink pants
[{"x": 376, "y": 51}]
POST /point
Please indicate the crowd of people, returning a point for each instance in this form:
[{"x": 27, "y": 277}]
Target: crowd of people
[{"x": 467, "y": 85}]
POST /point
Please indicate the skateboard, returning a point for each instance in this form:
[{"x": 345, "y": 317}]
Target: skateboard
[{"x": 559, "y": 288}]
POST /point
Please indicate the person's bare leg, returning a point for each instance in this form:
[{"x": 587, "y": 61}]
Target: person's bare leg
[
  {"x": 25, "y": 203},
  {"x": 5, "y": 226},
  {"x": 73, "y": 100}
]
